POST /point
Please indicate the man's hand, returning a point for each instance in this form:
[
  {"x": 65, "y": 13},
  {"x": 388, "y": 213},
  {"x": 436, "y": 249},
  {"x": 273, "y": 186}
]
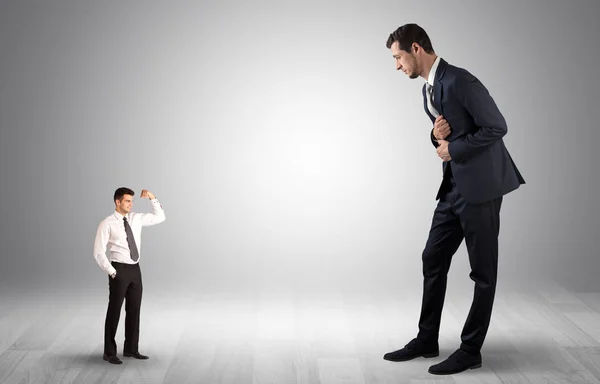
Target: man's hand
[
  {"x": 441, "y": 128},
  {"x": 114, "y": 274},
  {"x": 442, "y": 150},
  {"x": 147, "y": 194}
]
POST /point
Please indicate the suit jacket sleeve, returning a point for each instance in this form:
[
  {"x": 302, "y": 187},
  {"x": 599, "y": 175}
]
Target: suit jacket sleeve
[
  {"x": 473, "y": 95},
  {"x": 433, "y": 139}
]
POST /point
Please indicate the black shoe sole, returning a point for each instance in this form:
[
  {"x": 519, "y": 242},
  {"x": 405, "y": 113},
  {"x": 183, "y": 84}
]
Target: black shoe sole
[
  {"x": 112, "y": 362},
  {"x": 475, "y": 366},
  {"x": 129, "y": 355},
  {"x": 425, "y": 355}
]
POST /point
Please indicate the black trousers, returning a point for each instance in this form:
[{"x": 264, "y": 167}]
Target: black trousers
[
  {"x": 479, "y": 225},
  {"x": 127, "y": 284}
]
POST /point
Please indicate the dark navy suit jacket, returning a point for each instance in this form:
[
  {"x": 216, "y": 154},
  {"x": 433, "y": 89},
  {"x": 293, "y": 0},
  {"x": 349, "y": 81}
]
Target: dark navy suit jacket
[{"x": 481, "y": 165}]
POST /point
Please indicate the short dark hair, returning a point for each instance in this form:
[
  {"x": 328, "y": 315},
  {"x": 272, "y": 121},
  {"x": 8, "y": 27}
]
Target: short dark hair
[
  {"x": 408, "y": 34},
  {"x": 120, "y": 192}
]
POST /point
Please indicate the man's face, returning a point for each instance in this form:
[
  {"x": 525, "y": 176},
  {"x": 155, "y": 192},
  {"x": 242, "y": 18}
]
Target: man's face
[
  {"x": 125, "y": 204},
  {"x": 405, "y": 61}
]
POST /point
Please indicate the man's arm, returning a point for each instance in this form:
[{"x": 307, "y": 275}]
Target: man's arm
[
  {"x": 476, "y": 99},
  {"x": 102, "y": 235},
  {"x": 158, "y": 214}
]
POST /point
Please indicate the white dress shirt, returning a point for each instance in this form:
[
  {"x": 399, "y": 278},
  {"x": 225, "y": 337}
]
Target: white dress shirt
[
  {"x": 111, "y": 234},
  {"x": 428, "y": 87}
]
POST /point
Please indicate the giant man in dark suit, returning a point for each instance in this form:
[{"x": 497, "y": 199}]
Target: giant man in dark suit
[{"x": 477, "y": 172}]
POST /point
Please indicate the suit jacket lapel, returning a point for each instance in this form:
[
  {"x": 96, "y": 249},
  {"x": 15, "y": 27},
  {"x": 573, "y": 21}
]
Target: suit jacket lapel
[
  {"x": 437, "y": 96},
  {"x": 438, "y": 87}
]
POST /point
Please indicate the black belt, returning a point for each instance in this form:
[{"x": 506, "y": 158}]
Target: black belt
[{"x": 125, "y": 265}]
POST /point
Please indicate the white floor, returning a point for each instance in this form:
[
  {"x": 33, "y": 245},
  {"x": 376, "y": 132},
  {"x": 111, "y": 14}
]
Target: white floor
[{"x": 547, "y": 335}]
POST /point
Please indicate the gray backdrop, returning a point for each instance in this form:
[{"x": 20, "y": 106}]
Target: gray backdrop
[{"x": 283, "y": 145}]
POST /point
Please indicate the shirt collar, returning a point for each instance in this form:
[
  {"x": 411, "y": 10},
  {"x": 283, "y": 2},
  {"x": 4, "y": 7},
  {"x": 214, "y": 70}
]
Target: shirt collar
[
  {"x": 432, "y": 71},
  {"x": 118, "y": 215}
]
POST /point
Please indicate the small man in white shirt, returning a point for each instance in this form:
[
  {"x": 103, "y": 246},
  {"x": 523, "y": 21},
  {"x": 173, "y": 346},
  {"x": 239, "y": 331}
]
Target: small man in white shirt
[{"x": 121, "y": 234}]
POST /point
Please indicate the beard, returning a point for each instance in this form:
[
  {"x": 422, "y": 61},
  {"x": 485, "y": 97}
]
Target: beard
[{"x": 415, "y": 67}]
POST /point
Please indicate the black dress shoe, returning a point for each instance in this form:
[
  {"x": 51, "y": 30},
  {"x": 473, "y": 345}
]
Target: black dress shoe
[
  {"x": 135, "y": 355},
  {"x": 457, "y": 362},
  {"x": 415, "y": 348},
  {"x": 111, "y": 359}
]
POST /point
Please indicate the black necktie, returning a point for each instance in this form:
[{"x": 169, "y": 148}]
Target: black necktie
[{"x": 133, "y": 251}]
